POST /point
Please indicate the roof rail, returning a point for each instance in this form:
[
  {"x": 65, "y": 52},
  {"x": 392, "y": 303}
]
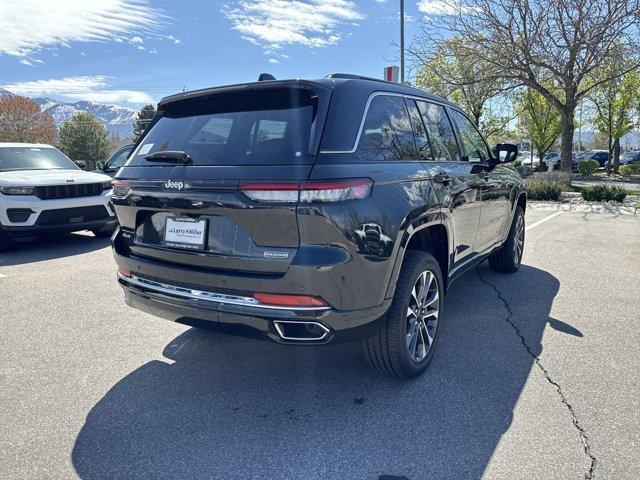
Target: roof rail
[{"x": 350, "y": 76}]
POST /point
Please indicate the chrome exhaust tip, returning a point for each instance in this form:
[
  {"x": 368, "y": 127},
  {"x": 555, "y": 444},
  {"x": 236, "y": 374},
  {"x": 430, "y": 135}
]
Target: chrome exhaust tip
[{"x": 301, "y": 331}]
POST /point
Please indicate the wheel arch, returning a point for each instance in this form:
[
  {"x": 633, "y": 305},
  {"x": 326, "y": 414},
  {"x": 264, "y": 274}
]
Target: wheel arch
[
  {"x": 521, "y": 201},
  {"x": 433, "y": 238}
]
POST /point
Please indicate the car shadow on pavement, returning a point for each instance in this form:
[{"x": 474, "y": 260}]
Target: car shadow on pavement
[
  {"x": 51, "y": 247},
  {"x": 227, "y": 407}
]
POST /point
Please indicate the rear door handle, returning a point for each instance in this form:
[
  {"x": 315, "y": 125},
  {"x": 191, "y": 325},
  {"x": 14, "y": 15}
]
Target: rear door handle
[{"x": 442, "y": 178}]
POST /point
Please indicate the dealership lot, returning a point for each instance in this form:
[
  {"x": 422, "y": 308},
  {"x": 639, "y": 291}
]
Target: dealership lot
[{"x": 535, "y": 376}]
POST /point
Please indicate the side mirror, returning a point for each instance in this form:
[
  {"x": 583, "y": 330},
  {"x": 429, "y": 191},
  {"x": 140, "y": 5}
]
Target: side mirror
[
  {"x": 101, "y": 165},
  {"x": 505, "y": 152},
  {"x": 82, "y": 164}
]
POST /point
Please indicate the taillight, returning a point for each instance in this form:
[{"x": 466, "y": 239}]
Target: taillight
[
  {"x": 308, "y": 192},
  {"x": 289, "y": 300},
  {"x": 120, "y": 187}
]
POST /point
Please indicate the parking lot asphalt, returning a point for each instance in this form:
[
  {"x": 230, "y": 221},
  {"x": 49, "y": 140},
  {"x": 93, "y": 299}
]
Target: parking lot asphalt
[{"x": 536, "y": 376}]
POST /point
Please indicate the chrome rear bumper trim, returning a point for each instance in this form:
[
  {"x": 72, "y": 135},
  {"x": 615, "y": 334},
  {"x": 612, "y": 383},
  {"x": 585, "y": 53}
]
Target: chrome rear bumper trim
[{"x": 206, "y": 295}]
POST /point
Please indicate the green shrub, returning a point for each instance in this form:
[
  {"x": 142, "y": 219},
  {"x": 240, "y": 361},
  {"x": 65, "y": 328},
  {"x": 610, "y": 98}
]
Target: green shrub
[
  {"x": 627, "y": 170},
  {"x": 517, "y": 163},
  {"x": 588, "y": 167},
  {"x": 543, "y": 191},
  {"x": 599, "y": 193}
]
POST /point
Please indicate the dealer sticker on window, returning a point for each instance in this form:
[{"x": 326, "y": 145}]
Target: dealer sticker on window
[{"x": 185, "y": 232}]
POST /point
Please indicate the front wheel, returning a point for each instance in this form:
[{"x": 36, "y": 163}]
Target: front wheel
[
  {"x": 508, "y": 257},
  {"x": 406, "y": 346}
]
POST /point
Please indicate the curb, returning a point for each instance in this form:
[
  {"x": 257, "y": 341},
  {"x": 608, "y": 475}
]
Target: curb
[{"x": 584, "y": 208}]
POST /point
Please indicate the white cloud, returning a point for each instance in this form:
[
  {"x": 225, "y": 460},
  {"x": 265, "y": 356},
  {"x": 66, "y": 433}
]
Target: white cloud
[
  {"x": 92, "y": 88},
  {"x": 24, "y": 61},
  {"x": 136, "y": 40},
  {"x": 273, "y": 60},
  {"x": 276, "y": 23},
  {"x": 29, "y": 25},
  {"x": 442, "y": 7}
]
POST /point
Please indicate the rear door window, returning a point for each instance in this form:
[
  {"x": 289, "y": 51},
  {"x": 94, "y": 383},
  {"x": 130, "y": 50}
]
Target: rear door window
[
  {"x": 387, "y": 133},
  {"x": 422, "y": 140},
  {"x": 476, "y": 149},
  {"x": 259, "y": 127},
  {"x": 443, "y": 141}
]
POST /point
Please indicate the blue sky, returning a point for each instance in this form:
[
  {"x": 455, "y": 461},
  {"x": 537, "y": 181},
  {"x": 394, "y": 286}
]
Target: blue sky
[{"x": 131, "y": 52}]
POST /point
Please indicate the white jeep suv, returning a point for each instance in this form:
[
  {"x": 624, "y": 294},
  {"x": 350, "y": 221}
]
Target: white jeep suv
[{"x": 42, "y": 191}]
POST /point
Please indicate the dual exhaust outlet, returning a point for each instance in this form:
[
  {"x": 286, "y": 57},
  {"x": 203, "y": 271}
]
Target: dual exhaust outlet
[{"x": 301, "y": 331}]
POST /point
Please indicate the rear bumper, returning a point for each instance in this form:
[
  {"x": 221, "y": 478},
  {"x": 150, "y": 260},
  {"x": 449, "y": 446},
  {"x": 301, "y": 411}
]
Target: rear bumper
[{"x": 255, "y": 321}]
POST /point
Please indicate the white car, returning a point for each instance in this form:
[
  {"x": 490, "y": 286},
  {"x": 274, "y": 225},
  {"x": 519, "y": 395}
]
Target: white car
[{"x": 42, "y": 191}]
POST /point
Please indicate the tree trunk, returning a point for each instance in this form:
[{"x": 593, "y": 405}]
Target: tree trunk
[
  {"x": 566, "y": 145},
  {"x": 616, "y": 155},
  {"x": 608, "y": 164}
]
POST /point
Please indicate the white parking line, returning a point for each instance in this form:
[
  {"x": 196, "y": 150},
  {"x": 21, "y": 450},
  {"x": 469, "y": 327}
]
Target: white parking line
[
  {"x": 539, "y": 222},
  {"x": 2, "y": 275}
]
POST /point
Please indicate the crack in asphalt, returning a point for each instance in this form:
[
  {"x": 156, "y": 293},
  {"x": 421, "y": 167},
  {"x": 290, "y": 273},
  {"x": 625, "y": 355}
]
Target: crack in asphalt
[{"x": 574, "y": 418}]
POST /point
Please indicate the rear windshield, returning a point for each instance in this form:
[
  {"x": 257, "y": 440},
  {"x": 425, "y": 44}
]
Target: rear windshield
[
  {"x": 255, "y": 127},
  {"x": 33, "y": 158}
]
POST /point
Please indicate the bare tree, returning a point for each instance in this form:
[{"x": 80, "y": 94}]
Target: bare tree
[
  {"x": 451, "y": 73},
  {"x": 534, "y": 42}
]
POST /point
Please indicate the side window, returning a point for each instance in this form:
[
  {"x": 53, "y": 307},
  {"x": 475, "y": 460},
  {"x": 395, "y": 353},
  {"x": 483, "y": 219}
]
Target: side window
[
  {"x": 443, "y": 140},
  {"x": 387, "y": 133},
  {"x": 475, "y": 147},
  {"x": 422, "y": 140}
]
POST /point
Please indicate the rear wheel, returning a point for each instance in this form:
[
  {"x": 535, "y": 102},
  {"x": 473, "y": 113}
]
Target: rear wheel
[
  {"x": 406, "y": 346},
  {"x": 508, "y": 257}
]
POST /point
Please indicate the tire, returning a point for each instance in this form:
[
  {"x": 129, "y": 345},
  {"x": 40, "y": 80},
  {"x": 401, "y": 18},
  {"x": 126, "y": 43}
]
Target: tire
[
  {"x": 508, "y": 257},
  {"x": 388, "y": 351},
  {"x": 6, "y": 243},
  {"x": 103, "y": 233}
]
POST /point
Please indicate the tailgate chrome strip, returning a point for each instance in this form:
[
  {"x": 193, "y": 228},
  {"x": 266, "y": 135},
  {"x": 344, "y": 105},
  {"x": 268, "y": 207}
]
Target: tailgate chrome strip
[{"x": 206, "y": 295}]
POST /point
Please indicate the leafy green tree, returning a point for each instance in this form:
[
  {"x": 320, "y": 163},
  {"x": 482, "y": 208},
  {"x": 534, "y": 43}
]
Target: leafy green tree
[
  {"x": 538, "y": 120},
  {"x": 84, "y": 137},
  {"x": 453, "y": 74},
  {"x": 142, "y": 120},
  {"x": 615, "y": 102}
]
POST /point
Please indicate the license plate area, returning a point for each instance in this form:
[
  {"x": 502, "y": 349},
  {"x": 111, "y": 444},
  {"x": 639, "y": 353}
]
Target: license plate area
[{"x": 185, "y": 233}]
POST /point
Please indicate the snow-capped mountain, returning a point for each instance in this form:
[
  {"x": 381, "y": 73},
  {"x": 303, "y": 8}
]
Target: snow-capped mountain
[{"x": 118, "y": 120}]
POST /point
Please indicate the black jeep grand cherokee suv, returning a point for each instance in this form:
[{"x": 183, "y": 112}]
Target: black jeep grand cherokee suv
[{"x": 312, "y": 212}]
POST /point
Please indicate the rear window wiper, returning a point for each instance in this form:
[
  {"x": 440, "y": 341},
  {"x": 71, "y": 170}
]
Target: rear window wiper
[{"x": 169, "y": 156}]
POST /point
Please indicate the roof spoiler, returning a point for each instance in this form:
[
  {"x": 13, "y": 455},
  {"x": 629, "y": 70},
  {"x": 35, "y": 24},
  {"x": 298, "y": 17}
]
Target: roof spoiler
[{"x": 265, "y": 76}]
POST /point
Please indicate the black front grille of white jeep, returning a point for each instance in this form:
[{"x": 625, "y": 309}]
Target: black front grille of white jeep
[{"x": 55, "y": 192}]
